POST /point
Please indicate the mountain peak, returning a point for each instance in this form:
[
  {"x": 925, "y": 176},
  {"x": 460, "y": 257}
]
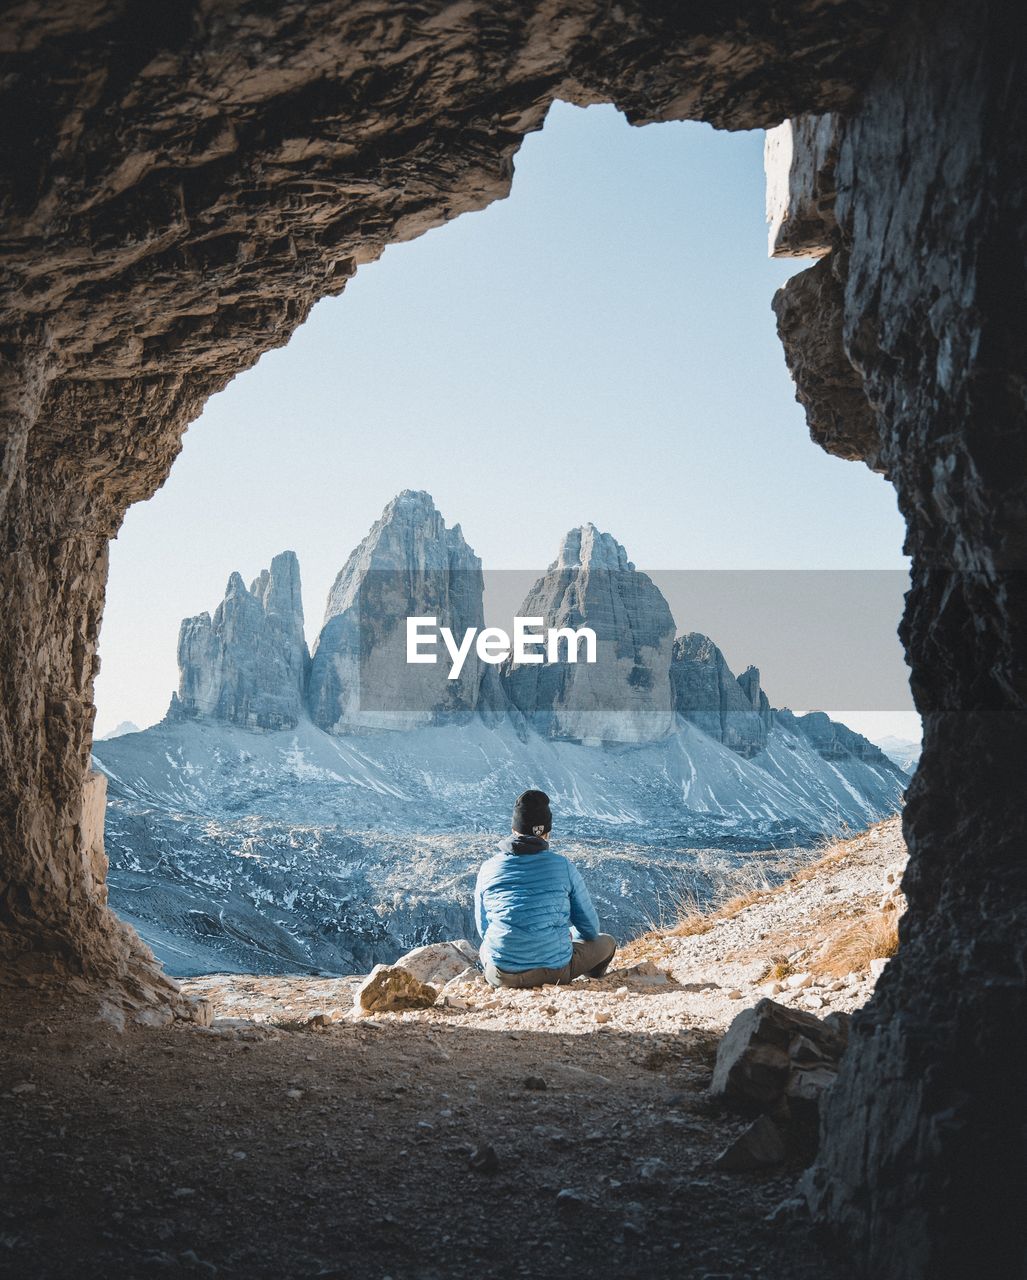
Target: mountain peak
[
  {"x": 247, "y": 664},
  {"x": 409, "y": 565},
  {"x": 587, "y": 547},
  {"x": 411, "y": 500},
  {"x": 410, "y": 535}
]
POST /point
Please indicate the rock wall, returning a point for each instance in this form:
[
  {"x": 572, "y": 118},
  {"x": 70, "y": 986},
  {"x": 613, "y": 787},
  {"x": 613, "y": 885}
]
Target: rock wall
[
  {"x": 923, "y": 302},
  {"x": 182, "y": 182}
]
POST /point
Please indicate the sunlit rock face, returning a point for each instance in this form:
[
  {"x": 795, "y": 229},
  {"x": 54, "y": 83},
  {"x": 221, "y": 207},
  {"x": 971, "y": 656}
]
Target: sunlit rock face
[
  {"x": 248, "y": 663},
  {"x": 733, "y": 710},
  {"x": 409, "y": 565},
  {"x": 625, "y": 696}
]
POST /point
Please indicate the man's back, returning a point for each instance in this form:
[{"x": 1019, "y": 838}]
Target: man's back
[{"x": 527, "y": 898}]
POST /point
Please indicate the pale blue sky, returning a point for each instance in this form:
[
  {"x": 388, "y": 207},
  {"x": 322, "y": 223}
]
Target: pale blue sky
[{"x": 599, "y": 346}]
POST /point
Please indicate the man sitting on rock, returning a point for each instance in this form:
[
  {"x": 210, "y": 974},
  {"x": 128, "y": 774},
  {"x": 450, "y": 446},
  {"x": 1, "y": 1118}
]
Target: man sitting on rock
[{"x": 537, "y": 922}]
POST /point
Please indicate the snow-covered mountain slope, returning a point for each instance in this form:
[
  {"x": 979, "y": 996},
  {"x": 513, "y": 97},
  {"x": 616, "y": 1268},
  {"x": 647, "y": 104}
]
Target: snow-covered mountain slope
[
  {"x": 297, "y": 850},
  {"x": 293, "y": 814}
]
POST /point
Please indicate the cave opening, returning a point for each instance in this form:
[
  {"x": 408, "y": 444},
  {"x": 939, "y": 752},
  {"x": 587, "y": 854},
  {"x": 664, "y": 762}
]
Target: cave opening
[
  {"x": 437, "y": 370},
  {"x": 177, "y": 198}
]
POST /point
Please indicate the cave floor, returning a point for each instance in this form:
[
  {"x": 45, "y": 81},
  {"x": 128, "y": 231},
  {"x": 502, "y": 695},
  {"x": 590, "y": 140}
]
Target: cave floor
[{"x": 347, "y": 1152}]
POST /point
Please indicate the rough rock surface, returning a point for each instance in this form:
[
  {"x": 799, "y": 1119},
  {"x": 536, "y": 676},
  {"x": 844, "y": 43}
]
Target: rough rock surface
[
  {"x": 832, "y": 740},
  {"x": 389, "y": 987},
  {"x": 800, "y": 157},
  {"x": 182, "y": 183},
  {"x": 917, "y": 1165},
  {"x": 734, "y": 711},
  {"x": 810, "y": 322},
  {"x": 439, "y": 962},
  {"x": 625, "y": 695},
  {"x": 772, "y": 1054},
  {"x": 248, "y": 664},
  {"x": 409, "y": 565}
]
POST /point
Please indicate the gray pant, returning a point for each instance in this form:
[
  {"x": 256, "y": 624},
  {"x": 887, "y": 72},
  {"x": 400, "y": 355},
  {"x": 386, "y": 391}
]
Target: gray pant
[{"x": 592, "y": 958}]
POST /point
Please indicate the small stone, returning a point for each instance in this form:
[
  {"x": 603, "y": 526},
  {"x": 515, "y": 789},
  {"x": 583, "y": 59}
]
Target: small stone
[
  {"x": 761, "y": 1146},
  {"x": 112, "y": 1015},
  {"x": 570, "y": 1199},
  {"x": 755, "y": 1067},
  {"x": 735, "y": 994},
  {"x": 878, "y": 966},
  {"x": 633, "y": 1231},
  {"x": 484, "y": 1159},
  {"x": 797, "y": 981},
  {"x": 645, "y": 972},
  {"x": 602, "y": 1016},
  {"x": 24, "y": 1087},
  {"x": 295, "y": 1094},
  {"x": 652, "y": 1170},
  {"x": 162, "y": 1017},
  {"x": 535, "y": 1082}
]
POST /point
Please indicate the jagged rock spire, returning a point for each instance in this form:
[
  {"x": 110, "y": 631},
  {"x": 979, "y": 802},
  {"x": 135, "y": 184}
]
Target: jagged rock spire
[
  {"x": 706, "y": 693},
  {"x": 409, "y": 565},
  {"x": 248, "y": 664},
  {"x": 625, "y": 696}
]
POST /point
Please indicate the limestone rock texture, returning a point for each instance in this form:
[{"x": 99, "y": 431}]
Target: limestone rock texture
[
  {"x": 389, "y": 987},
  {"x": 733, "y": 710},
  {"x": 922, "y": 1146},
  {"x": 775, "y": 1057},
  {"x": 625, "y": 695},
  {"x": 409, "y": 565},
  {"x": 182, "y": 182},
  {"x": 248, "y": 664},
  {"x": 437, "y": 963}
]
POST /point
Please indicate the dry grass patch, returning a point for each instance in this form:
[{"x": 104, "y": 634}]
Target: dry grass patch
[
  {"x": 693, "y": 919},
  {"x": 780, "y": 967},
  {"x": 850, "y": 950}
]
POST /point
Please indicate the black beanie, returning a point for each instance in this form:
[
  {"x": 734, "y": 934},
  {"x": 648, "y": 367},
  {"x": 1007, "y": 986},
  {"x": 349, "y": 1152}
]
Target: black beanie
[{"x": 532, "y": 815}]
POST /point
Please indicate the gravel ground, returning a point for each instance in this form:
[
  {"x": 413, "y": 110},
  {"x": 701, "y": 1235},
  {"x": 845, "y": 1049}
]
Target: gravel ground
[{"x": 703, "y": 981}]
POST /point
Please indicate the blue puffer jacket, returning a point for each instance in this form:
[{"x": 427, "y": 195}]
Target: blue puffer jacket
[{"x": 526, "y": 901}]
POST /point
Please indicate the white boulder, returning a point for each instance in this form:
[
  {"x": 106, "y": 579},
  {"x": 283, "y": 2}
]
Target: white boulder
[{"x": 440, "y": 962}]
